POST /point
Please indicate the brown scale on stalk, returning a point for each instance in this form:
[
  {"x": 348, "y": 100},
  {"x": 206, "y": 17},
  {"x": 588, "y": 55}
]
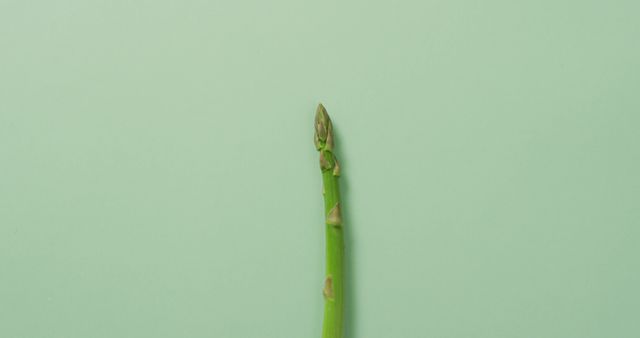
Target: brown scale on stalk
[{"x": 327, "y": 291}]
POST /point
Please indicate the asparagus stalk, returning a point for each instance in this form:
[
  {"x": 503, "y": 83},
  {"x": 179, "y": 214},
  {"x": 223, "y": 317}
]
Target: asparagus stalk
[{"x": 333, "y": 283}]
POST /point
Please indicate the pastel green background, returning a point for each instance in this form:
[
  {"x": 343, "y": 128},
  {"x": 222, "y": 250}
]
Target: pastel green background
[{"x": 158, "y": 177}]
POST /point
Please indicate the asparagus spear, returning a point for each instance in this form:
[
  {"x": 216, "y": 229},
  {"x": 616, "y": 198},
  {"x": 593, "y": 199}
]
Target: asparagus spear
[{"x": 333, "y": 283}]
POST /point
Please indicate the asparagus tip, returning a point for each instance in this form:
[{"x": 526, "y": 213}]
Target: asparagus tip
[{"x": 322, "y": 125}]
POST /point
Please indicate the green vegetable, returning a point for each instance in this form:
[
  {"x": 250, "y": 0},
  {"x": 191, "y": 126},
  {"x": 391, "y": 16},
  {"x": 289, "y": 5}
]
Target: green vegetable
[{"x": 333, "y": 284}]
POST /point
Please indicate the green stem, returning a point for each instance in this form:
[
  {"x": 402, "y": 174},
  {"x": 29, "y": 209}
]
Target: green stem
[{"x": 333, "y": 284}]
